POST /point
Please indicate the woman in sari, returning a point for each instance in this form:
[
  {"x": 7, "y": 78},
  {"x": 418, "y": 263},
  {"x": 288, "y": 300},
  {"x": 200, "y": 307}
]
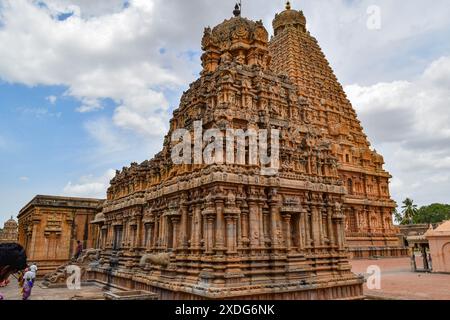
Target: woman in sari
[{"x": 27, "y": 285}]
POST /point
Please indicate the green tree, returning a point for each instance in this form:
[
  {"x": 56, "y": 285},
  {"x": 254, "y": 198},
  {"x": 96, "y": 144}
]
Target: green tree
[
  {"x": 434, "y": 213},
  {"x": 398, "y": 217},
  {"x": 409, "y": 211}
]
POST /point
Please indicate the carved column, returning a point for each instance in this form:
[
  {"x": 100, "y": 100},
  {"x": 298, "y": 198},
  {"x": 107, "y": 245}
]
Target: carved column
[
  {"x": 369, "y": 223},
  {"x": 253, "y": 221},
  {"x": 231, "y": 233},
  {"x": 308, "y": 226},
  {"x": 330, "y": 226},
  {"x": 287, "y": 231},
  {"x": 302, "y": 230},
  {"x": 383, "y": 222},
  {"x": 183, "y": 243},
  {"x": 156, "y": 232},
  {"x": 358, "y": 222},
  {"x": 340, "y": 227},
  {"x": 139, "y": 231},
  {"x": 209, "y": 215},
  {"x": 159, "y": 240},
  {"x": 239, "y": 229},
  {"x": 244, "y": 224},
  {"x": 220, "y": 225},
  {"x": 321, "y": 226},
  {"x": 276, "y": 227},
  {"x": 176, "y": 231},
  {"x": 210, "y": 234},
  {"x": 261, "y": 225},
  {"x": 150, "y": 227},
  {"x": 315, "y": 225},
  {"x": 196, "y": 228},
  {"x": 163, "y": 235}
]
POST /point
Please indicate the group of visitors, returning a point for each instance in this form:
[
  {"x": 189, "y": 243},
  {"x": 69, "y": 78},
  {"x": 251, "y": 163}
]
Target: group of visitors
[{"x": 13, "y": 260}]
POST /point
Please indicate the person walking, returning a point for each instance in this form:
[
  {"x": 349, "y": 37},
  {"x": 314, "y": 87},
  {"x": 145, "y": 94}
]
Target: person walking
[
  {"x": 34, "y": 269},
  {"x": 28, "y": 284}
]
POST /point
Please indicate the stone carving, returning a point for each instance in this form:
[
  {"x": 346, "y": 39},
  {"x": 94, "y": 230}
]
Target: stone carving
[
  {"x": 88, "y": 258},
  {"x": 162, "y": 259}
]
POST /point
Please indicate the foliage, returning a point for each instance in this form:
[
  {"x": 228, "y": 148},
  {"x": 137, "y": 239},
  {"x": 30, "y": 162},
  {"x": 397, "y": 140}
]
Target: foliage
[
  {"x": 434, "y": 213},
  {"x": 410, "y": 214}
]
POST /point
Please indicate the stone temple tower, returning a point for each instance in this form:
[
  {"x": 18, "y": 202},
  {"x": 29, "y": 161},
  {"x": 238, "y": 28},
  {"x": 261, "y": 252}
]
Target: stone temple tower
[
  {"x": 229, "y": 229},
  {"x": 368, "y": 206}
]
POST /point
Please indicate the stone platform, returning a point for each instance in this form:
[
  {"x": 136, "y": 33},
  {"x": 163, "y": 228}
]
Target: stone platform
[{"x": 397, "y": 283}]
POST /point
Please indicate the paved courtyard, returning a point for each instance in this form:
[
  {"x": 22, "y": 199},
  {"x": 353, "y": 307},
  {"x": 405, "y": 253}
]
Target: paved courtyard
[
  {"x": 12, "y": 292},
  {"x": 398, "y": 282}
]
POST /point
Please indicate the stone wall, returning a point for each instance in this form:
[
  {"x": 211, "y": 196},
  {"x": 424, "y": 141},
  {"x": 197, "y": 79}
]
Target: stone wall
[{"x": 49, "y": 228}]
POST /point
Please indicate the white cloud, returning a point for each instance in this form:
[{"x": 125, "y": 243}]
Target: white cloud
[
  {"x": 409, "y": 122},
  {"x": 90, "y": 186},
  {"x": 113, "y": 55},
  {"x": 24, "y": 179},
  {"x": 52, "y": 99},
  {"x": 39, "y": 112},
  {"x": 105, "y": 50},
  {"x": 89, "y": 105}
]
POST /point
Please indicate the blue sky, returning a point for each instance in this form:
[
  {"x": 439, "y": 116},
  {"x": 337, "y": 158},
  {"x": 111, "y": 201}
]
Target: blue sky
[{"x": 86, "y": 87}]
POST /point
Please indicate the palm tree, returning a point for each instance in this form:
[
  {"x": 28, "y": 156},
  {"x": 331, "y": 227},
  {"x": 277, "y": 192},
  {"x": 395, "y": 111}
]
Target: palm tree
[{"x": 409, "y": 211}]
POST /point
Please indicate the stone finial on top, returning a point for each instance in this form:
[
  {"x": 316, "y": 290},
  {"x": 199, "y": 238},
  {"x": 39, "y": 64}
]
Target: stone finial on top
[
  {"x": 237, "y": 10},
  {"x": 289, "y": 18},
  {"x": 288, "y": 5}
]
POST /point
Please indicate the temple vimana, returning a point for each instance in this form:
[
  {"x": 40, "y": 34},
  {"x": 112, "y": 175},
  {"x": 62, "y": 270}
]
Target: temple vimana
[
  {"x": 223, "y": 230},
  {"x": 9, "y": 233}
]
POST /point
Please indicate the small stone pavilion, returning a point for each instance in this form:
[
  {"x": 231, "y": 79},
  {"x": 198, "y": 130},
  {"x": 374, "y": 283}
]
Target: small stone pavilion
[{"x": 439, "y": 241}]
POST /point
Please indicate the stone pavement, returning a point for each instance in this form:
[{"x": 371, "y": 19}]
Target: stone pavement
[
  {"x": 399, "y": 283},
  {"x": 91, "y": 292}
]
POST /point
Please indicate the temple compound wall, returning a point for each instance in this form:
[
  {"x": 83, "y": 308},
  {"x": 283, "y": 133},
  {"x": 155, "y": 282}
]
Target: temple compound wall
[
  {"x": 50, "y": 226},
  {"x": 229, "y": 230},
  {"x": 368, "y": 206}
]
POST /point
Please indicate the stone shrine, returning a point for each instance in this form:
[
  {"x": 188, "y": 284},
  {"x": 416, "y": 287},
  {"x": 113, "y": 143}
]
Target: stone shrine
[
  {"x": 230, "y": 230},
  {"x": 9, "y": 233},
  {"x": 50, "y": 226}
]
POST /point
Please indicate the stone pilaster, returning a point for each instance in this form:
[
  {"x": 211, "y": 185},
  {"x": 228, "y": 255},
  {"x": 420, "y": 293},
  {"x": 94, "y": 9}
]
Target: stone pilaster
[
  {"x": 220, "y": 226},
  {"x": 183, "y": 244},
  {"x": 315, "y": 225},
  {"x": 330, "y": 226},
  {"x": 196, "y": 228},
  {"x": 254, "y": 224},
  {"x": 176, "y": 232},
  {"x": 287, "y": 231}
]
